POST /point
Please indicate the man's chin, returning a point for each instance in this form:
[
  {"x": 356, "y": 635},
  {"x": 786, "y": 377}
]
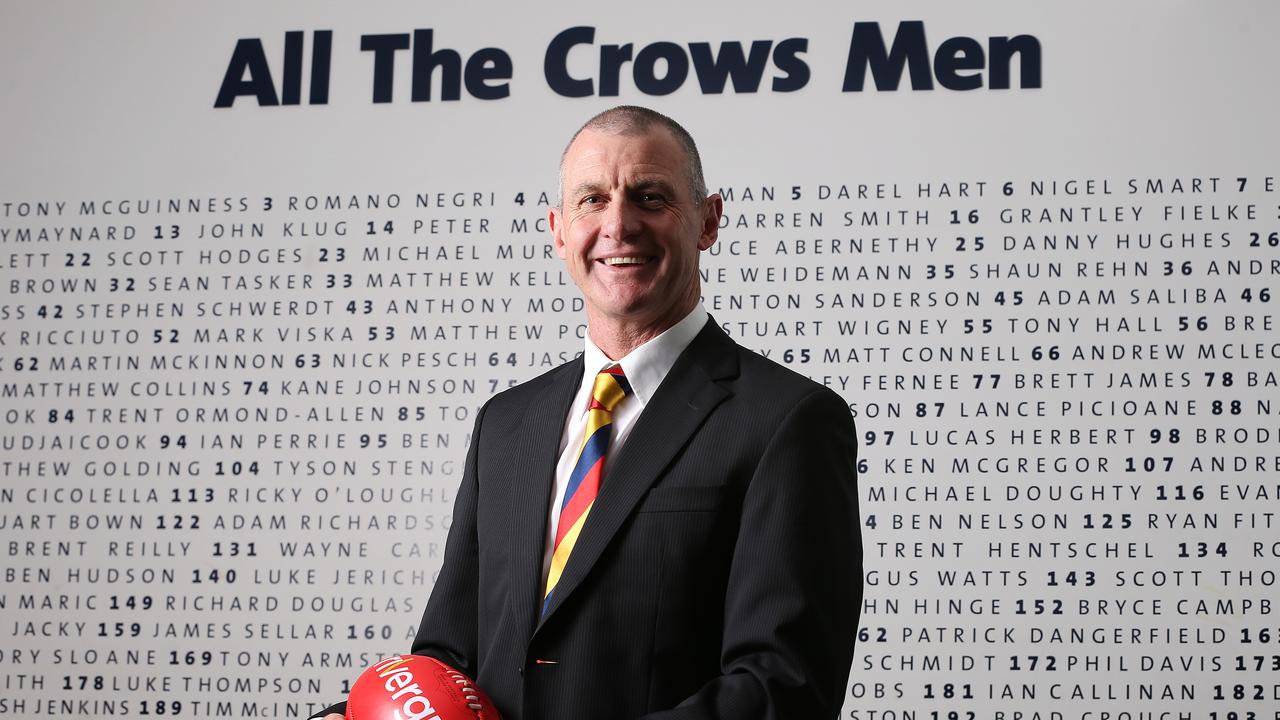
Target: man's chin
[{"x": 627, "y": 301}]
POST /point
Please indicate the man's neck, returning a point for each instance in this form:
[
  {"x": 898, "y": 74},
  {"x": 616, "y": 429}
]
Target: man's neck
[
  {"x": 616, "y": 338},
  {"x": 618, "y": 342}
]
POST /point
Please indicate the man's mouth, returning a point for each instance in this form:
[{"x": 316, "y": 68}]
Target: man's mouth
[{"x": 628, "y": 260}]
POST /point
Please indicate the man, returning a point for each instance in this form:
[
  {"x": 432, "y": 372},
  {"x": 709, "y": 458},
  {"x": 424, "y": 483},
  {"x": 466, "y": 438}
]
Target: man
[{"x": 667, "y": 526}]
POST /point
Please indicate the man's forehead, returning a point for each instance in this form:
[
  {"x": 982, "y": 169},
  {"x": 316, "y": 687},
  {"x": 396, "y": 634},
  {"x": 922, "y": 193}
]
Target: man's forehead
[{"x": 597, "y": 168}]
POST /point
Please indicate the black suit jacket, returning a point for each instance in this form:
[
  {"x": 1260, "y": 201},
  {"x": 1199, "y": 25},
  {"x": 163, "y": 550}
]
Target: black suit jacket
[{"x": 718, "y": 576}]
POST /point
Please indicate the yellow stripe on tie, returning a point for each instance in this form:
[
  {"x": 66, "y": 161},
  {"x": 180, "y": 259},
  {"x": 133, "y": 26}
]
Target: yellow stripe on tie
[{"x": 561, "y": 556}]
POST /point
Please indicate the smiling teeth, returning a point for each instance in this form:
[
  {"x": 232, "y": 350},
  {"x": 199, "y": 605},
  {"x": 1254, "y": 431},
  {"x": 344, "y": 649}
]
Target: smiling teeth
[{"x": 625, "y": 261}]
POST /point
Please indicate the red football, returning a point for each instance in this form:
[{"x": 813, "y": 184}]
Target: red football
[{"x": 414, "y": 687}]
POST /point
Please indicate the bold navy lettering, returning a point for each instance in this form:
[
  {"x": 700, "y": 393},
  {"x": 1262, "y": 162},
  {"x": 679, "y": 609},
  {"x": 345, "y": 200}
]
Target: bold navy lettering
[
  {"x": 715, "y": 71},
  {"x": 247, "y": 57},
  {"x": 1027, "y": 47},
  {"x": 957, "y": 65},
  {"x": 555, "y": 64},
  {"x": 425, "y": 63},
  {"x": 321, "y": 52},
  {"x": 954, "y": 55},
  {"x": 384, "y": 49},
  {"x": 645, "y": 71},
  {"x": 786, "y": 57},
  {"x": 611, "y": 59},
  {"x": 485, "y": 65},
  {"x": 291, "y": 92},
  {"x": 746, "y": 70},
  {"x": 867, "y": 49}
]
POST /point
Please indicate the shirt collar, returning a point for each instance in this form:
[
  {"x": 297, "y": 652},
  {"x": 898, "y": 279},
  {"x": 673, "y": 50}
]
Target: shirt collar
[{"x": 646, "y": 366}]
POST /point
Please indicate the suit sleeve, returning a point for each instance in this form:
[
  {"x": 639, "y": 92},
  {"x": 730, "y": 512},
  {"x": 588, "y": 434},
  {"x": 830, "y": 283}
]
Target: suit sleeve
[
  {"x": 795, "y": 583},
  {"x": 449, "y": 627},
  {"x": 449, "y": 630}
]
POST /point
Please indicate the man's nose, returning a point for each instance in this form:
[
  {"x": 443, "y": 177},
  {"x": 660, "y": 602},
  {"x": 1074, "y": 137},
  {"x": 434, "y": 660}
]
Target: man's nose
[{"x": 621, "y": 220}]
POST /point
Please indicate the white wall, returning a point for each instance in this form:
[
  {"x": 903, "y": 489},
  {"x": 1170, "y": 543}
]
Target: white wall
[{"x": 114, "y": 107}]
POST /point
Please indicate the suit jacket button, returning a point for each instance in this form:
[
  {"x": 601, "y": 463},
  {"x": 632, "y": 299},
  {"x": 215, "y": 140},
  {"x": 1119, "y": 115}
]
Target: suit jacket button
[{"x": 520, "y": 670}]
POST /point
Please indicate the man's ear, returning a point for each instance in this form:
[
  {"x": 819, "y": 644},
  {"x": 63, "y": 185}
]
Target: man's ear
[
  {"x": 557, "y": 230},
  {"x": 712, "y": 210}
]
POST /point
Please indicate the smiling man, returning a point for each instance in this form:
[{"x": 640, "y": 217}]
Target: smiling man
[
  {"x": 667, "y": 526},
  {"x": 634, "y": 215}
]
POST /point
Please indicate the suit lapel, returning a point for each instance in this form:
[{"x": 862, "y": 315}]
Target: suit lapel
[
  {"x": 536, "y": 453},
  {"x": 685, "y": 398}
]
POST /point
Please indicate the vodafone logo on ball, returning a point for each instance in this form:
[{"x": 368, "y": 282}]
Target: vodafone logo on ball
[
  {"x": 414, "y": 687},
  {"x": 399, "y": 682}
]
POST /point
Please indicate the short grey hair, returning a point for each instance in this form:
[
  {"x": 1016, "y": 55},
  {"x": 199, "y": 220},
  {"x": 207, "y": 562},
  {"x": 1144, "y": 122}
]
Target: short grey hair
[{"x": 634, "y": 120}]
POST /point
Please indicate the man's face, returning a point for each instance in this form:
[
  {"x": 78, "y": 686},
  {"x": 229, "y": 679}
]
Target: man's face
[{"x": 630, "y": 230}]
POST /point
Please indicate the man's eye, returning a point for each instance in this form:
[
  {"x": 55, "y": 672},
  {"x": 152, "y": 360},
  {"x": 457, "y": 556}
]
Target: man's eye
[
  {"x": 651, "y": 197},
  {"x": 591, "y": 200}
]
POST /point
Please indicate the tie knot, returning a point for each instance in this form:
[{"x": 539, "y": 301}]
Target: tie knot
[{"x": 610, "y": 387}]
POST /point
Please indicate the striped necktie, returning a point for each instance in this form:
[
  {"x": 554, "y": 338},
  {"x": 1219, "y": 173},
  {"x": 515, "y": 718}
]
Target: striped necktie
[{"x": 610, "y": 388}]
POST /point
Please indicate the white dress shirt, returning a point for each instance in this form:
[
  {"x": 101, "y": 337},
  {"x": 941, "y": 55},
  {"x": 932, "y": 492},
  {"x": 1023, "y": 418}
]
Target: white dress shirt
[{"x": 645, "y": 368}]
